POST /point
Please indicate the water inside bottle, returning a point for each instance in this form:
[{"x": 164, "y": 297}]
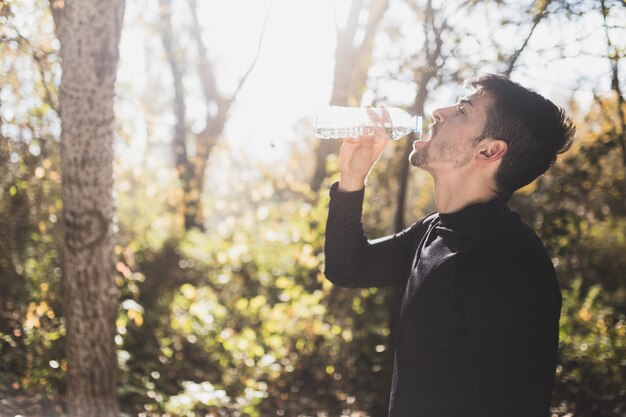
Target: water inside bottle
[
  {"x": 340, "y": 133},
  {"x": 345, "y": 122}
]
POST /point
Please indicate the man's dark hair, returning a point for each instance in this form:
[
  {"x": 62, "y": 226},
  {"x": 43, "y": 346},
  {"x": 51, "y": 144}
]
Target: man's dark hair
[{"x": 534, "y": 128}]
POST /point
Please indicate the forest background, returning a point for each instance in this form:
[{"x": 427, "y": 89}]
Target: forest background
[{"x": 218, "y": 196}]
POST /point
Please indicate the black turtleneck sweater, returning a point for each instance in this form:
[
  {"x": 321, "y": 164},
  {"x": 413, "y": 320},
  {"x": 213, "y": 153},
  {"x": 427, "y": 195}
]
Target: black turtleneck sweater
[{"x": 478, "y": 328}]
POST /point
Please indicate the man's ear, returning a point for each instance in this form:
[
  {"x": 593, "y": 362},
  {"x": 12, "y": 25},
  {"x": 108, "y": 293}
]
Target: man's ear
[{"x": 490, "y": 150}]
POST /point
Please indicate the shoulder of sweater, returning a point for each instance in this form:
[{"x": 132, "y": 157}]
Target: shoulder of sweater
[
  {"x": 421, "y": 226},
  {"x": 514, "y": 245}
]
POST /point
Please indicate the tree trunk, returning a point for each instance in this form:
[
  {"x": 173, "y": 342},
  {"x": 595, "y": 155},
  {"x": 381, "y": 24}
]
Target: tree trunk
[
  {"x": 191, "y": 194},
  {"x": 89, "y": 33}
]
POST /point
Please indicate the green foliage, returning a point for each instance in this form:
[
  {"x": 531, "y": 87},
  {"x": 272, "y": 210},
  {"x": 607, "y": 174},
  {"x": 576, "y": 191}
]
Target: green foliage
[
  {"x": 241, "y": 319},
  {"x": 592, "y": 365},
  {"x": 32, "y": 327}
]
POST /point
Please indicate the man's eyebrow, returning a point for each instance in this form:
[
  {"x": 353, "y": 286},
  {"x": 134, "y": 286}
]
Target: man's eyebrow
[{"x": 465, "y": 100}]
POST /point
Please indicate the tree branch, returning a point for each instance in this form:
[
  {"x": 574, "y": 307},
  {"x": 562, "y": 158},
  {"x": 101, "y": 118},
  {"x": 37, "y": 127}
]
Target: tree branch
[
  {"x": 353, "y": 21},
  {"x": 58, "y": 10},
  {"x": 243, "y": 79},
  {"x": 206, "y": 73},
  {"x": 215, "y": 124},
  {"x": 377, "y": 11},
  {"x": 49, "y": 97},
  {"x": 541, "y": 13}
]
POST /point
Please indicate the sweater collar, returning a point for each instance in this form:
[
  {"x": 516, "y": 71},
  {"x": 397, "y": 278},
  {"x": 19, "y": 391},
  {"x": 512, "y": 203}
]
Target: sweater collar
[{"x": 475, "y": 219}]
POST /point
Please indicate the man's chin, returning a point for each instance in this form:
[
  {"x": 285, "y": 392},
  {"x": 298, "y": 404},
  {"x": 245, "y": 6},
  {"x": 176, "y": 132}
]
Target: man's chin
[
  {"x": 416, "y": 159},
  {"x": 419, "y": 155}
]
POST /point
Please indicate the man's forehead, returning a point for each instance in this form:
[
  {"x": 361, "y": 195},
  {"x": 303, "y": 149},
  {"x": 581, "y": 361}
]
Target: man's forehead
[
  {"x": 478, "y": 93},
  {"x": 478, "y": 98}
]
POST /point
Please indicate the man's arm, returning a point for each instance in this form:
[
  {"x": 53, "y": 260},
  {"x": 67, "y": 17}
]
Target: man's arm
[{"x": 353, "y": 261}]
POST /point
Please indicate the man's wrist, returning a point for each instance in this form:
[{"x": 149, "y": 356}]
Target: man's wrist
[{"x": 349, "y": 185}]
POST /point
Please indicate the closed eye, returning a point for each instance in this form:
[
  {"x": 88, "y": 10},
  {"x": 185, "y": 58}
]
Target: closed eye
[{"x": 460, "y": 107}]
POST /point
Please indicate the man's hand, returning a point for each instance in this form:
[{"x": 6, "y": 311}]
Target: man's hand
[{"x": 358, "y": 155}]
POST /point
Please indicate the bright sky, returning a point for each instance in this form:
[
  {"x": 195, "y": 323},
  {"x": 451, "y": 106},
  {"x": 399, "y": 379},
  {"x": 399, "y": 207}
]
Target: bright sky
[{"x": 292, "y": 77}]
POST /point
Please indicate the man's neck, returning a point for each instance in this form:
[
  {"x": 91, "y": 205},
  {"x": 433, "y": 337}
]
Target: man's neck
[{"x": 454, "y": 193}]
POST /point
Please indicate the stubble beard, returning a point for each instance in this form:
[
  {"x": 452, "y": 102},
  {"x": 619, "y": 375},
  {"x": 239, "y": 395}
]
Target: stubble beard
[
  {"x": 449, "y": 152},
  {"x": 419, "y": 158}
]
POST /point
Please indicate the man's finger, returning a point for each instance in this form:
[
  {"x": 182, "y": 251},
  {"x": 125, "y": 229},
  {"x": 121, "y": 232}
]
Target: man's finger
[{"x": 384, "y": 115}]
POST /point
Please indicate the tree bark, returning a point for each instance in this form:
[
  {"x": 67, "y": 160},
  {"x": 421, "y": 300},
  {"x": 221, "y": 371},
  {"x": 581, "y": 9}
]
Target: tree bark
[{"x": 89, "y": 32}]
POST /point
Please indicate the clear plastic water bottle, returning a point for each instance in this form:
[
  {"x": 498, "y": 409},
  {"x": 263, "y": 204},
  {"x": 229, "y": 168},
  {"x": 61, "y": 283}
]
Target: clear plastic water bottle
[{"x": 336, "y": 122}]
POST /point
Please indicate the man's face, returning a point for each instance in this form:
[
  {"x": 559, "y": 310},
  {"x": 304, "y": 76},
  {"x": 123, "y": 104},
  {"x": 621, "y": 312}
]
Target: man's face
[{"x": 452, "y": 138}]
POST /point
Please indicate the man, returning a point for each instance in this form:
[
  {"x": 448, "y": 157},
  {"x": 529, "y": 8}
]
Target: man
[{"x": 478, "y": 327}]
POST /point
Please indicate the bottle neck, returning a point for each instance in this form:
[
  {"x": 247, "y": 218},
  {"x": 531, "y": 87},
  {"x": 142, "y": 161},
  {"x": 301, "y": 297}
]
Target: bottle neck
[{"x": 416, "y": 123}]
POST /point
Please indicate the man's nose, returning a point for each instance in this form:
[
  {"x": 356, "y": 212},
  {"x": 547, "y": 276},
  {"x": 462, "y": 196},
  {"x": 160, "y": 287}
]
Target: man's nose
[{"x": 438, "y": 115}]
